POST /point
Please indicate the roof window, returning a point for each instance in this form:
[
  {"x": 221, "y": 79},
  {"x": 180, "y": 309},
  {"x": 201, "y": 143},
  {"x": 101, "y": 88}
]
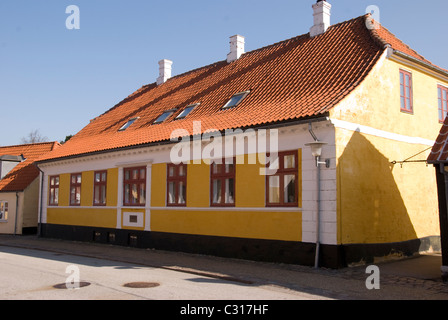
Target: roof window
[
  {"x": 164, "y": 116},
  {"x": 128, "y": 124},
  {"x": 187, "y": 111},
  {"x": 235, "y": 100}
]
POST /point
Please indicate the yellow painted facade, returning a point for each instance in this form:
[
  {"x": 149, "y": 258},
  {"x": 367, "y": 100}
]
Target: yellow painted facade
[
  {"x": 112, "y": 187},
  {"x": 86, "y": 217},
  {"x": 198, "y": 217},
  {"x": 198, "y": 185},
  {"x": 158, "y": 185},
  {"x": 379, "y": 202},
  {"x": 269, "y": 225},
  {"x": 376, "y": 201}
]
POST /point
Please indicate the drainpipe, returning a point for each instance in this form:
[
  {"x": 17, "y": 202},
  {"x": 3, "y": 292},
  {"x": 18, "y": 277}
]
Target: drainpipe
[
  {"x": 39, "y": 229},
  {"x": 316, "y": 256},
  {"x": 17, "y": 213},
  {"x": 317, "y": 153}
]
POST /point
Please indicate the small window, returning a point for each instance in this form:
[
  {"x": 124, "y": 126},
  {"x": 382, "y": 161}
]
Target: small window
[
  {"x": 127, "y": 124},
  {"x": 235, "y": 100},
  {"x": 177, "y": 184},
  {"x": 3, "y": 210},
  {"x": 186, "y": 111},
  {"x": 443, "y": 103},
  {"x": 164, "y": 116},
  {"x": 406, "y": 91},
  {"x": 99, "y": 188},
  {"x": 282, "y": 187},
  {"x": 54, "y": 191},
  {"x": 223, "y": 183},
  {"x": 75, "y": 189},
  {"x": 134, "y": 186}
]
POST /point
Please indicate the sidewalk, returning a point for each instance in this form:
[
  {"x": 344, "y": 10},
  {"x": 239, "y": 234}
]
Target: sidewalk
[{"x": 416, "y": 278}]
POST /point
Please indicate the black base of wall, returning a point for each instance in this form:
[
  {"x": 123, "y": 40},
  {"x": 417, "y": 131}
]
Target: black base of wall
[
  {"x": 289, "y": 252},
  {"x": 29, "y": 231}
]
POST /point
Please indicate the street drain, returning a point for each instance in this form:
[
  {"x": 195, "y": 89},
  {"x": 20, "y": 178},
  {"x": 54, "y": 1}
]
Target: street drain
[
  {"x": 141, "y": 285},
  {"x": 72, "y": 285}
]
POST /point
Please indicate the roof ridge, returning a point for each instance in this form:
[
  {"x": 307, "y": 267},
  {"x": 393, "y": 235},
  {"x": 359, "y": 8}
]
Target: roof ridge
[
  {"x": 385, "y": 43},
  {"x": 295, "y": 78},
  {"x": 254, "y": 50},
  {"x": 152, "y": 85},
  {"x": 29, "y": 144}
]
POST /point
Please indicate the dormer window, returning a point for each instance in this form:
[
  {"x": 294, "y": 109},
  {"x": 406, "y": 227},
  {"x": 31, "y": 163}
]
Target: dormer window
[
  {"x": 187, "y": 111},
  {"x": 164, "y": 116},
  {"x": 235, "y": 100},
  {"x": 127, "y": 124}
]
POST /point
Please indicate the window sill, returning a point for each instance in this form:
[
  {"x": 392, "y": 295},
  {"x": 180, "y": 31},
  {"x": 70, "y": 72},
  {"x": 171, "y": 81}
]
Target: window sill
[
  {"x": 407, "y": 111},
  {"x": 216, "y": 205},
  {"x": 276, "y": 205}
]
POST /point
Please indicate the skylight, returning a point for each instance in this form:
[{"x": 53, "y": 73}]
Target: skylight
[
  {"x": 235, "y": 100},
  {"x": 164, "y": 116},
  {"x": 127, "y": 124},
  {"x": 186, "y": 111}
]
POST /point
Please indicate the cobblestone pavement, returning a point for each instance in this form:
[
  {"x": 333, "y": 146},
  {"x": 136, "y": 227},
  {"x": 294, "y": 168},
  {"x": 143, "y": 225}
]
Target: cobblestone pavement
[
  {"x": 408, "y": 279},
  {"x": 431, "y": 285}
]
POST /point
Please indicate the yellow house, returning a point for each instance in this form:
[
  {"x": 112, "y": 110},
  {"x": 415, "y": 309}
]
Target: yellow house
[{"x": 218, "y": 160}]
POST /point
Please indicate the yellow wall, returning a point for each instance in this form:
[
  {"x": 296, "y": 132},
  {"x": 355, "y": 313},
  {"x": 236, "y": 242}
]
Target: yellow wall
[
  {"x": 105, "y": 218},
  {"x": 377, "y": 201},
  {"x": 112, "y": 187},
  {"x": 64, "y": 190},
  {"x": 250, "y": 186},
  {"x": 87, "y": 188},
  {"x": 250, "y": 192},
  {"x": 376, "y": 103},
  {"x": 158, "y": 185},
  {"x": 286, "y": 226},
  {"x": 198, "y": 185}
]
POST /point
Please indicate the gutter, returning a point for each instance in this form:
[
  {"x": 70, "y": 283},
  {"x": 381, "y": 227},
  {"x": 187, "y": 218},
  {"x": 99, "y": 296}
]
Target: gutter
[
  {"x": 320, "y": 118},
  {"x": 401, "y": 56}
]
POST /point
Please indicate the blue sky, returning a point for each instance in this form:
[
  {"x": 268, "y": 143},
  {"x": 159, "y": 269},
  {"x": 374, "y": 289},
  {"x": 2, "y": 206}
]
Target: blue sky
[{"x": 55, "y": 80}]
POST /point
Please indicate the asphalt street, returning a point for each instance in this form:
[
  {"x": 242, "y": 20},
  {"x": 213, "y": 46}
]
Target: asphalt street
[
  {"x": 416, "y": 278},
  {"x": 28, "y": 274}
]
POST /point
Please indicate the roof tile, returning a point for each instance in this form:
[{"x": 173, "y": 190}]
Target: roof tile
[
  {"x": 292, "y": 79},
  {"x": 25, "y": 172}
]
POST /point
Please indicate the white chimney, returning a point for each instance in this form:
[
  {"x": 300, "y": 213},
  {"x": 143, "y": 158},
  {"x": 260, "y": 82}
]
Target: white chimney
[
  {"x": 236, "y": 48},
  {"x": 165, "y": 67},
  {"x": 322, "y": 13}
]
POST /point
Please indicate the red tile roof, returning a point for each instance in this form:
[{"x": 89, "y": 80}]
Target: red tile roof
[
  {"x": 25, "y": 172},
  {"x": 439, "y": 152},
  {"x": 294, "y": 79}
]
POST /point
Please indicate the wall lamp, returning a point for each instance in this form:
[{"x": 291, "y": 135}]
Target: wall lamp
[{"x": 316, "y": 150}]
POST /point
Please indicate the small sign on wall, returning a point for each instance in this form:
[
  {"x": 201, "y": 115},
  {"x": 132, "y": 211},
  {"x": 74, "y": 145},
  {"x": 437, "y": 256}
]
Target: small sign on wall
[{"x": 133, "y": 219}]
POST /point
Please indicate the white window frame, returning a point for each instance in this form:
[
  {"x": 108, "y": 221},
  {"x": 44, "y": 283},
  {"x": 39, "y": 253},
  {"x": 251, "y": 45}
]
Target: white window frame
[
  {"x": 243, "y": 95},
  {"x": 128, "y": 124},
  {"x": 4, "y": 213}
]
